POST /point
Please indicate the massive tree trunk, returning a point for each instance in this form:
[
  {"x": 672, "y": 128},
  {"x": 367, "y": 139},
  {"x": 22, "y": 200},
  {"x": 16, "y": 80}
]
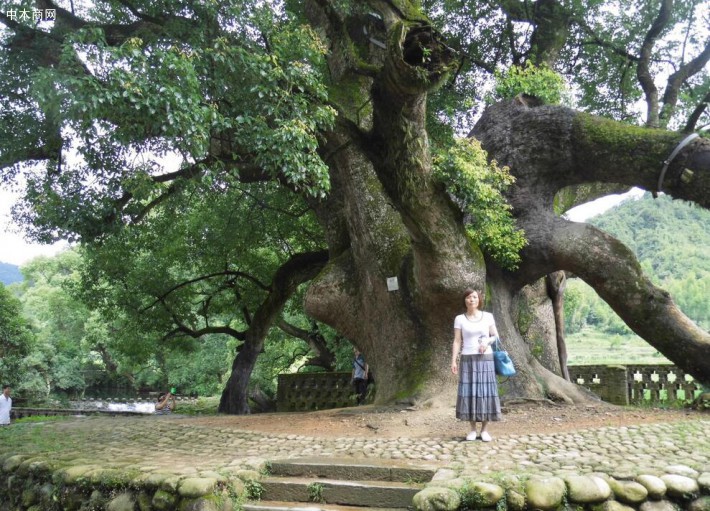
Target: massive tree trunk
[
  {"x": 394, "y": 220},
  {"x": 387, "y": 217}
]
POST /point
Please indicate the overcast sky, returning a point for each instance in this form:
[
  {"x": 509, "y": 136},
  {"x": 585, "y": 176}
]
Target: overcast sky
[{"x": 14, "y": 249}]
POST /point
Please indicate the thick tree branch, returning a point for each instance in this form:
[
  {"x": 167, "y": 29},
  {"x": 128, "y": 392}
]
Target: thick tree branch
[
  {"x": 597, "y": 40},
  {"x": 612, "y": 270},
  {"x": 343, "y": 57},
  {"x": 199, "y": 332},
  {"x": 552, "y": 28},
  {"x": 246, "y": 173},
  {"x": 293, "y": 330},
  {"x": 323, "y": 356},
  {"x": 677, "y": 79},
  {"x": 556, "y": 283},
  {"x": 128, "y": 5},
  {"x": 580, "y": 148},
  {"x": 202, "y": 278},
  {"x": 551, "y": 21},
  {"x": 188, "y": 172},
  {"x": 643, "y": 71},
  {"x": 517, "y": 10},
  {"x": 298, "y": 269},
  {"x": 572, "y": 148},
  {"x": 115, "y": 34},
  {"x": 692, "y": 123}
]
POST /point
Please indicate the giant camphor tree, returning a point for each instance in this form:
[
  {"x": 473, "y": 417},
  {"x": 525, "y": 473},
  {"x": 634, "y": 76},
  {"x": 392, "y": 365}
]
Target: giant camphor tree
[{"x": 353, "y": 107}]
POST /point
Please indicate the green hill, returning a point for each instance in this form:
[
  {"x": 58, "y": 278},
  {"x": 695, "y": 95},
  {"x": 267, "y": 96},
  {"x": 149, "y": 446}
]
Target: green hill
[{"x": 671, "y": 238}]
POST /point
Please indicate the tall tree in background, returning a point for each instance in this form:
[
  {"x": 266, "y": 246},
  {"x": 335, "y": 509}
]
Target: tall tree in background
[
  {"x": 225, "y": 266},
  {"x": 352, "y": 107},
  {"x": 16, "y": 338}
]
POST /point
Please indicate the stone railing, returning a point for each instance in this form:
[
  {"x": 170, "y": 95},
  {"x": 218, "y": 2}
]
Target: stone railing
[
  {"x": 636, "y": 383},
  {"x": 90, "y": 406},
  {"x": 314, "y": 391},
  {"x": 21, "y": 413},
  {"x": 139, "y": 404},
  {"x": 618, "y": 384}
]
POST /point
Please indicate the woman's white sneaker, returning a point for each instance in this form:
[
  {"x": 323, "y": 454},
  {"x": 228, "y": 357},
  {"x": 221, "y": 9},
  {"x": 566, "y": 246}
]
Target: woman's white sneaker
[
  {"x": 485, "y": 436},
  {"x": 472, "y": 435}
]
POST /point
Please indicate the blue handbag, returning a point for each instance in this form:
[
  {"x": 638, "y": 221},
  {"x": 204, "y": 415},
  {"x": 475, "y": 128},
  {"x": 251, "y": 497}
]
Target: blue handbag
[{"x": 503, "y": 364}]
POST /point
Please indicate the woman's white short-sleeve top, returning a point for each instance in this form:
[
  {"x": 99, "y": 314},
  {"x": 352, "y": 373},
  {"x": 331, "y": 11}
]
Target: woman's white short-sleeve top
[{"x": 473, "y": 330}]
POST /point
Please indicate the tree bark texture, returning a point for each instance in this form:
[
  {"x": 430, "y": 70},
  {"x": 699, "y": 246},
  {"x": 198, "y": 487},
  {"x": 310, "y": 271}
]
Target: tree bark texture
[
  {"x": 534, "y": 318},
  {"x": 390, "y": 219},
  {"x": 556, "y": 283}
]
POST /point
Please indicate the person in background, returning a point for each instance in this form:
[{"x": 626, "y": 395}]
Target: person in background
[
  {"x": 474, "y": 332},
  {"x": 5, "y": 405},
  {"x": 165, "y": 404},
  {"x": 359, "y": 376}
]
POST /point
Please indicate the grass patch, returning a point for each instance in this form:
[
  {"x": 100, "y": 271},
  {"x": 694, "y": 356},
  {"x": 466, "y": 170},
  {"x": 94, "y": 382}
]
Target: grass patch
[
  {"x": 31, "y": 437},
  {"x": 315, "y": 492},
  {"x": 591, "y": 347},
  {"x": 253, "y": 490},
  {"x": 202, "y": 406},
  {"x": 471, "y": 498},
  {"x": 266, "y": 469}
]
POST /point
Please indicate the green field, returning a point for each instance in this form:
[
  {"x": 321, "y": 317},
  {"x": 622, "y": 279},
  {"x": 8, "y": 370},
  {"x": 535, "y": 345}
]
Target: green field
[{"x": 590, "y": 347}]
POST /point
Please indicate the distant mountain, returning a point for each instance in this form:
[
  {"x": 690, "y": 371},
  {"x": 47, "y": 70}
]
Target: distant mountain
[
  {"x": 670, "y": 237},
  {"x": 9, "y": 273}
]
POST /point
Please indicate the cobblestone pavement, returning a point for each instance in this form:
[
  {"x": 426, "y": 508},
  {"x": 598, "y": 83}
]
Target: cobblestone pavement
[{"x": 178, "y": 445}]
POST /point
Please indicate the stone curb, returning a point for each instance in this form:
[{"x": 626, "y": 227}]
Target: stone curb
[
  {"x": 447, "y": 492},
  {"x": 149, "y": 460}
]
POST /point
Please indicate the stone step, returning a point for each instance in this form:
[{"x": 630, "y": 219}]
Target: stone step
[
  {"x": 308, "y": 506},
  {"x": 349, "y": 469},
  {"x": 383, "y": 494}
]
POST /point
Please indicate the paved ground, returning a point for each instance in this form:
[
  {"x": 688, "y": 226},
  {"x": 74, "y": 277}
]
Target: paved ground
[{"x": 184, "y": 445}]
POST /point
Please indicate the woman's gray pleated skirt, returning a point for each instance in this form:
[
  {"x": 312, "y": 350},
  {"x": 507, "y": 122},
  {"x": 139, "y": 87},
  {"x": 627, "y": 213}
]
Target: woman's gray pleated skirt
[{"x": 478, "y": 389}]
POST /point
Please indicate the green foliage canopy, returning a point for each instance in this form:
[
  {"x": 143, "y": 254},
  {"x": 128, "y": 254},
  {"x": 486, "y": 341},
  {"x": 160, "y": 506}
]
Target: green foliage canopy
[
  {"x": 238, "y": 92},
  {"x": 538, "y": 81},
  {"x": 479, "y": 186}
]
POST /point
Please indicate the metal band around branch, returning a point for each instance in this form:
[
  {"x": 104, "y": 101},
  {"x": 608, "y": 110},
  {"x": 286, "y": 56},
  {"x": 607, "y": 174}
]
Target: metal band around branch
[{"x": 666, "y": 163}]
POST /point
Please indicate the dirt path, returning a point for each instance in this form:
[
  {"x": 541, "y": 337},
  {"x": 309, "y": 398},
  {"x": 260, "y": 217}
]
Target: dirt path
[{"x": 395, "y": 422}]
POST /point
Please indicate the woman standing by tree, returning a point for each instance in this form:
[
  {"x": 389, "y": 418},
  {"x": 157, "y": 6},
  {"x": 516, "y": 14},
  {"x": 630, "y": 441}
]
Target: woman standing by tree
[{"x": 477, "y": 399}]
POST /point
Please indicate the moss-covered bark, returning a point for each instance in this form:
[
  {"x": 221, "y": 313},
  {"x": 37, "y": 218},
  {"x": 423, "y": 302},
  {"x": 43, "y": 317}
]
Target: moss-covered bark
[{"x": 397, "y": 222}]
